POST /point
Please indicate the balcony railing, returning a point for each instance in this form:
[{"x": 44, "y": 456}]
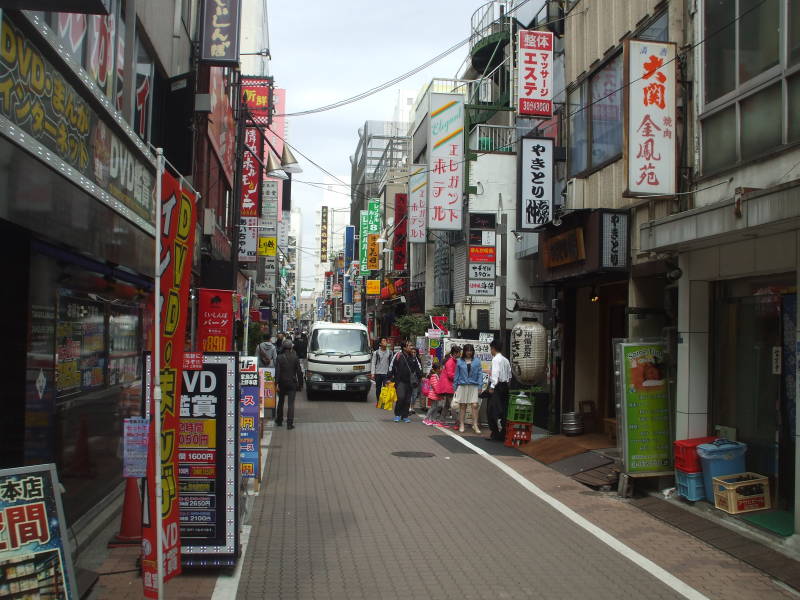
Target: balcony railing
[
  {"x": 489, "y": 19},
  {"x": 493, "y": 138}
]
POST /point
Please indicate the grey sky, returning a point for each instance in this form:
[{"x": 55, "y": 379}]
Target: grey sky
[{"x": 324, "y": 51}]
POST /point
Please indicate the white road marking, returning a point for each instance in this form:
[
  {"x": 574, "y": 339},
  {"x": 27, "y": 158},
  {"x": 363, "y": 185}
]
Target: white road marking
[
  {"x": 227, "y": 585},
  {"x": 645, "y": 563}
]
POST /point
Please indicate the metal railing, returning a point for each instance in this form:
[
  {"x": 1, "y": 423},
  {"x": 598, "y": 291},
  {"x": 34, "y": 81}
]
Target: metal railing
[
  {"x": 489, "y": 19},
  {"x": 493, "y": 138}
]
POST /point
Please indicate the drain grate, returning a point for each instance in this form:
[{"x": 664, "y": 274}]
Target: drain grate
[{"x": 409, "y": 454}]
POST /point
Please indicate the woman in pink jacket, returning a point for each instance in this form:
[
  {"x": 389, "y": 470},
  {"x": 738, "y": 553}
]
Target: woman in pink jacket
[{"x": 445, "y": 387}]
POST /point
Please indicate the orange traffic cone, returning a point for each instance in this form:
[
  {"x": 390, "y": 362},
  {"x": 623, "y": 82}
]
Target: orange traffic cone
[{"x": 130, "y": 530}]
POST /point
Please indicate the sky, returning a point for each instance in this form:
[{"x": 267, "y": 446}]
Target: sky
[{"x": 324, "y": 51}]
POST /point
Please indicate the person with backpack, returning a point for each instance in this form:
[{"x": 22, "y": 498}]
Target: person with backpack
[
  {"x": 406, "y": 373},
  {"x": 380, "y": 366},
  {"x": 266, "y": 354},
  {"x": 289, "y": 377}
]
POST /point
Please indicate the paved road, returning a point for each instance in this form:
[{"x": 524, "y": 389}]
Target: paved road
[{"x": 341, "y": 516}]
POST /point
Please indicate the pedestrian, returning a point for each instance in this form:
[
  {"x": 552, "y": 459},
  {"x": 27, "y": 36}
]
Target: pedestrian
[
  {"x": 266, "y": 353},
  {"x": 467, "y": 384},
  {"x": 499, "y": 379},
  {"x": 445, "y": 387},
  {"x": 380, "y": 366},
  {"x": 301, "y": 346},
  {"x": 435, "y": 402},
  {"x": 279, "y": 342},
  {"x": 289, "y": 377},
  {"x": 406, "y": 373}
]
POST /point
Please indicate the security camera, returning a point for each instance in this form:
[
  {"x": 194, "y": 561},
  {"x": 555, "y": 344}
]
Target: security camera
[{"x": 674, "y": 275}]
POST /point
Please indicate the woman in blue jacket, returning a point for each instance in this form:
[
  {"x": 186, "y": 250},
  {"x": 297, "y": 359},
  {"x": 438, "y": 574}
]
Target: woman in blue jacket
[{"x": 467, "y": 384}]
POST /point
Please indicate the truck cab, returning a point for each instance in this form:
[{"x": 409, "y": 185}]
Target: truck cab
[{"x": 339, "y": 360}]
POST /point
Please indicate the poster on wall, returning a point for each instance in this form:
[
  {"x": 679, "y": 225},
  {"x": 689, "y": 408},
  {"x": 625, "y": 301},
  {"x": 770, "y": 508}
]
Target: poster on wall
[
  {"x": 35, "y": 553},
  {"x": 215, "y": 320},
  {"x": 650, "y": 123},
  {"x": 249, "y": 415},
  {"x": 644, "y": 400},
  {"x": 208, "y": 462},
  {"x": 482, "y": 351}
]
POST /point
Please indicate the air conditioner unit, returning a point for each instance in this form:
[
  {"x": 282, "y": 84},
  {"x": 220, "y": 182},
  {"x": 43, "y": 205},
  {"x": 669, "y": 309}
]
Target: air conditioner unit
[
  {"x": 575, "y": 198},
  {"x": 209, "y": 221}
]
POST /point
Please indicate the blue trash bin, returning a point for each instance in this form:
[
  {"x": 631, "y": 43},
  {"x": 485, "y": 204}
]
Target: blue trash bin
[{"x": 722, "y": 457}]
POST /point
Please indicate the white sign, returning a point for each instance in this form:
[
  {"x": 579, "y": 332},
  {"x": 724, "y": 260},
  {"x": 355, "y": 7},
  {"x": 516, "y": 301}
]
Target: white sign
[
  {"x": 481, "y": 288},
  {"x": 488, "y": 238},
  {"x": 614, "y": 240},
  {"x": 348, "y": 311},
  {"x": 536, "y": 183},
  {"x": 417, "y": 204},
  {"x": 446, "y": 162},
  {"x": 485, "y": 336},
  {"x": 248, "y": 239},
  {"x": 482, "y": 351},
  {"x": 481, "y": 271},
  {"x": 535, "y": 73},
  {"x": 651, "y": 151}
]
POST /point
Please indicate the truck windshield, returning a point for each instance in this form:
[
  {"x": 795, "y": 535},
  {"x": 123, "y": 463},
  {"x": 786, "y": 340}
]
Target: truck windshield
[{"x": 339, "y": 341}]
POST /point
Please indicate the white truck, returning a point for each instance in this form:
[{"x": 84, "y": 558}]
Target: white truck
[{"x": 338, "y": 360}]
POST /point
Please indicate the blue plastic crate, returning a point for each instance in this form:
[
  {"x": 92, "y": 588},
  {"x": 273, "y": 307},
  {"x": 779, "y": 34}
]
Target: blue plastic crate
[{"x": 690, "y": 485}]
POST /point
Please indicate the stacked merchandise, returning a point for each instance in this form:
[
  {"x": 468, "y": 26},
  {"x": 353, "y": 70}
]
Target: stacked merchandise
[
  {"x": 688, "y": 472},
  {"x": 519, "y": 421}
]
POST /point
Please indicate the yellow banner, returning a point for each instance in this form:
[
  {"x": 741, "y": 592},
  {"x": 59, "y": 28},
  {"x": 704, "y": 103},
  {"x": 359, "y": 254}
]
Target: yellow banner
[
  {"x": 198, "y": 433},
  {"x": 373, "y": 287},
  {"x": 267, "y": 246}
]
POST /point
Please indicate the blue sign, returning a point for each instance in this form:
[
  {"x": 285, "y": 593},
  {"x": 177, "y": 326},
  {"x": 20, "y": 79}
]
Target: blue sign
[
  {"x": 249, "y": 412},
  {"x": 33, "y": 535},
  {"x": 349, "y": 245}
]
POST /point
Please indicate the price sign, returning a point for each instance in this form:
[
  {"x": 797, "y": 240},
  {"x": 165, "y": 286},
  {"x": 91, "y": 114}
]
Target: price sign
[{"x": 481, "y": 270}]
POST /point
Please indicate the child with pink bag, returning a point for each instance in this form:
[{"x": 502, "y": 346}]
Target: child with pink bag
[{"x": 434, "y": 402}]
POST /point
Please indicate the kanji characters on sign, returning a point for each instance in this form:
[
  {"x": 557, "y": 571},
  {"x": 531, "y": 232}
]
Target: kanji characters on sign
[
  {"x": 417, "y": 204},
  {"x": 446, "y": 166},
  {"x": 535, "y": 73},
  {"x": 536, "y": 184}
]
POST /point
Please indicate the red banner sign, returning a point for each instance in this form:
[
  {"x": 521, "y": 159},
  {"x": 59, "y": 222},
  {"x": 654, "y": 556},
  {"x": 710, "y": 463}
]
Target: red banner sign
[
  {"x": 400, "y": 231},
  {"x": 177, "y": 242},
  {"x": 215, "y": 321},
  {"x": 484, "y": 254},
  {"x": 249, "y": 199}
]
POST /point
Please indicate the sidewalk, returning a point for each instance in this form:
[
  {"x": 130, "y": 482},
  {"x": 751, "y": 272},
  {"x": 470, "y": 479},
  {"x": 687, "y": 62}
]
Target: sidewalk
[{"x": 343, "y": 513}]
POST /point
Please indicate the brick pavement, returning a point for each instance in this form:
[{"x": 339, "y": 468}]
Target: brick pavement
[{"x": 341, "y": 517}]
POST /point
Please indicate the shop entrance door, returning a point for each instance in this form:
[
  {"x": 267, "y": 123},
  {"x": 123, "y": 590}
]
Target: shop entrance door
[{"x": 754, "y": 378}]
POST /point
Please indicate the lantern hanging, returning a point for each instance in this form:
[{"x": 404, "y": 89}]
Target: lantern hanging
[{"x": 529, "y": 351}]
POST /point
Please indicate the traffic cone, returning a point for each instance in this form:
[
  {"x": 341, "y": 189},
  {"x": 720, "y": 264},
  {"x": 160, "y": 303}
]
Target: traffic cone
[{"x": 130, "y": 530}]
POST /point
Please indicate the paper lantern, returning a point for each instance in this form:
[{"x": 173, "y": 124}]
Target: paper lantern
[{"x": 529, "y": 352}]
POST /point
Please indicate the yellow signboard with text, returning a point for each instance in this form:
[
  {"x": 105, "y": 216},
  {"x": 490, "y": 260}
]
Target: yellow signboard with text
[
  {"x": 373, "y": 287},
  {"x": 267, "y": 246}
]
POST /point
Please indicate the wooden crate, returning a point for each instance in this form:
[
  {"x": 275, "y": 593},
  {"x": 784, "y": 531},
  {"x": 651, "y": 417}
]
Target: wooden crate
[{"x": 741, "y": 493}]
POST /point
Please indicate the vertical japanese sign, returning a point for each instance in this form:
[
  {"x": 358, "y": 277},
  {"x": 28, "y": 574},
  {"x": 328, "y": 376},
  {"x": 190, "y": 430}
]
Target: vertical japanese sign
[
  {"x": 446, "y": 166},
  {"x": 642, "y": 386},
  {"x": 267, "y": 388},
  {"x": 34, "y": 550},
  {"x": 400, "y": 231},
  {"x": 249, "y": 414},
  {"x": 136, "y": 431},
  {"x": 323, "y": 235},
  {"x": 208, "y": 462},
  {"x": 220, "y": 35},
  {"x": 363, "y": 227},
  {"x": 373, "y": 233},
  {"x": 215, "y": 320},
  {"x": 268, "y": 243},
  {"x": 249, "y": 200},
  {"x": 177, "y": 243},
  {"x": 418, "y": 204},
  {"x": 536, "y": 164},
  {"x": 535, "y": 73},
  {"x": 650, "y": 125}
]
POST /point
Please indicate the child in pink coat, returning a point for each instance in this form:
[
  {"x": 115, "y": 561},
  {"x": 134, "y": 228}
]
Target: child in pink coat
[
  {"x": 434, "y": 402},
  {"x": 445, "y": 387}
]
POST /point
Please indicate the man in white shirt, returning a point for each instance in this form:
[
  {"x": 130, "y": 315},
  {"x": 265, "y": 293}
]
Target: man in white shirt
[
  {"x": 380, "y": 366},
  {"x": 498, "y": 388}
]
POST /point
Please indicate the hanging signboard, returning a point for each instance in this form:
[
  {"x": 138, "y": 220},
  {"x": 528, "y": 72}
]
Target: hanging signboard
[
  {"x": 400, "y": 231},
  {"x": 323, "y": 235},
  {"x": 446, "y": 162},
  {"x": 651, "y": 151},
  {"x": 265, "y": 274},
  {"x": 35, "y": 553},
  {"x": 482, "y": 254},
  {"x": 373, "y": 287},
  {"x": 535, "y": 185},
  {"x": 177, "y": 241},
  {"x": 481, "y": 271},
  {"x": 535, "y": 73},
  {"x": 208, "y": 462},
  {"x": 219, "y": 39},
  {"x": 480, "y": 287},
  {"x": 645, "y": 414},
  {"x": 418, "y": 204},
  {"x": 248, "y": 239},
  {"x": 249, "y": 414},
  {"x": 215, "y": 320},
  {"x": 248, "y": 203},
  {"x": 614, "y": 240},
  {"x": 363, "y": 228}
]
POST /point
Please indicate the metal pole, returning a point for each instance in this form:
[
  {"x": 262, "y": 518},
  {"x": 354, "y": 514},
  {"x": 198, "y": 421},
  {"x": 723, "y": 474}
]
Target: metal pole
[
  {"x": 237, "y": 181},
  {"x": 156, "y": 414},
  {"x": 247, "y": 316},
  {"x": 503, "y": 280}
]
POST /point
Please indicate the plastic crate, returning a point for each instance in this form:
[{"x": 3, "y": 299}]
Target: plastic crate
[
  {"x": 741, "y": 493},
  {"x": 690, "y": 485},
  {"x": 517, "y": 433},
  {"x": 685, "y": 451},
  {"x": 519, "y": 413}
]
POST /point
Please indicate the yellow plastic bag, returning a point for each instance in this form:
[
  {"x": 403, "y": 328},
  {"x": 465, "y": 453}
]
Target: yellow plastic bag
[{"x": 388, "y": 396}]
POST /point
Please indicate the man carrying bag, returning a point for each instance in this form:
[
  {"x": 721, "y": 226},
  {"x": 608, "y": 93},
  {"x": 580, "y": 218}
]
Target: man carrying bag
[
  {"x": 406, "y": 373},
  {"x": 289, "y": 377}
]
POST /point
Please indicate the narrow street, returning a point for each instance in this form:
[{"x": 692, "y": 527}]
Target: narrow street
[{"x": 343, "y": 514}]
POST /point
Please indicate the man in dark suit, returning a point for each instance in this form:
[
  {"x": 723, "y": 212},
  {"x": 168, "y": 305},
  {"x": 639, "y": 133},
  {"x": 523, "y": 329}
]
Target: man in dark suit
[{"x": 289, "y": 377}]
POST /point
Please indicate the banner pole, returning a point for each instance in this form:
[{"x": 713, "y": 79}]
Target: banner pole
[{"x": 156, "y": 413}]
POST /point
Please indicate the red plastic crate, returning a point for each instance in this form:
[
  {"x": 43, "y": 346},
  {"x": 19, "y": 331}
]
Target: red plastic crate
[
  {"x": 686, "y": 458},
  {"x": 517, "y": 433}
]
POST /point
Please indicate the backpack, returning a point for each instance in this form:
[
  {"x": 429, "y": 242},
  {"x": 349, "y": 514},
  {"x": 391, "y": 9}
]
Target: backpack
[{"x": 426, "y": 387}]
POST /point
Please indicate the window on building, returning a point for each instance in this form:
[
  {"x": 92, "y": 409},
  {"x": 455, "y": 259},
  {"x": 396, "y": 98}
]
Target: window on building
[
  {"x": 595, "y": 118},
  {"x": 750, "y": 86}
]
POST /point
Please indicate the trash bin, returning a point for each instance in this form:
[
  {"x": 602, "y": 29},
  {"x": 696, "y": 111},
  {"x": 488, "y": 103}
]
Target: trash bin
[{"x": 722, "y": 457}]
